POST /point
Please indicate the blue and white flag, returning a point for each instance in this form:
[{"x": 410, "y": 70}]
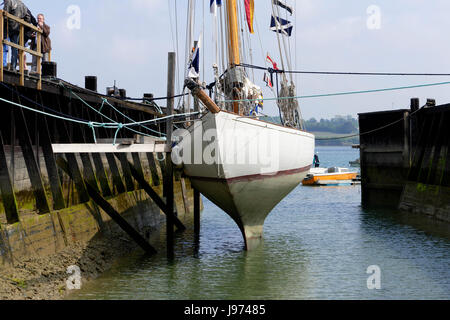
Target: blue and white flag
[
  {"x": 194, "y": 65},
  {"x": 214, "y": 4},
  {"x": 281, "y": 26}
]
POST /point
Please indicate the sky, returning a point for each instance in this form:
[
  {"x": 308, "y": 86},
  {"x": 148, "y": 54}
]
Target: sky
[{"x": 128, "y": 41}]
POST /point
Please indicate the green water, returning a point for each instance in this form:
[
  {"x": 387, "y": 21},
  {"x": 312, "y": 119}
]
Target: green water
[{"x": 318, "y": 244}]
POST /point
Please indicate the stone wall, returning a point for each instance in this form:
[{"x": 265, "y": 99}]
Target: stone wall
[{"x": 42, "y": 235}]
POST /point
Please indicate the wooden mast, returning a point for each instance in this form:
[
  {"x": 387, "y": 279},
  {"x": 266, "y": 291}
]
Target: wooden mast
[
  {"x": 233, "y": 42},
  {"x": 233, "y": 34}
]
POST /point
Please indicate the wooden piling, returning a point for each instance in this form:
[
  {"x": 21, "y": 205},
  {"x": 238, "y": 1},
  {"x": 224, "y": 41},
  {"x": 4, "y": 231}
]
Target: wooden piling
[
  {"x": 126, "y": 171},
  {"x": 184, "y": 195},
  {"x": 6, "y": 188},
  {"x": 37, "y": 184},
  {"x": 168, "y": 179},
  {"x": 102, "y": 203},
  {"x": 117, "y": 180},
  {"x": 67, "y": 136},
  {"x": 197, "y": 213},
  {"x": 153, "y": 170},
  {"x": 52, "y": 169},
  {"x": 155, "y": 197}
]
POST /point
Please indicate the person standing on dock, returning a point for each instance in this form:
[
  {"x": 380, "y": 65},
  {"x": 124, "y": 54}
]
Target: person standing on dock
[
  {"x": 46, "y": 43},
  {"x": 5, "y": 48},
  {"x": 18, "y": 9},
  {"x": 316, "y": 161}
]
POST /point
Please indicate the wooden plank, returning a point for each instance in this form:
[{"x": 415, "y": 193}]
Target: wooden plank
[
  {"x": 31, "y": 164},
  {"x": 155, "y": 197},
  {"x": 6, "y": 188},
  {"x": 52, "y": 169},
  {"x": 137, "y": 163},
  {"x": 126, "y": 171},
  {"x": 21, "y": 21},
  {"x": 161, "y": 160},
  {"x": 445, "y": 179},
  {"x": 153, "y": 169},
  {"x": 88, "y": 171},
  {"x": 428, "y": 149},
  {"x": 101, "y": 175},
  {"x": 184, "y": 194},
  {"x": 97, "y": 158},
  {"x": 109, "y": 148},
  {"x": 437, "y": 146},
  {"x": 419, "y": 151},
  {"x": 102, "y": 203},
  {"x": 67, "y": 135},
  {"x": 117, "y": 179}
]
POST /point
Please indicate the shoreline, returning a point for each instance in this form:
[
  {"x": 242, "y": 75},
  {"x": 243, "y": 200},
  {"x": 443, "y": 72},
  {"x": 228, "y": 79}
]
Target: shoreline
[{"x": 44, "y": 278}]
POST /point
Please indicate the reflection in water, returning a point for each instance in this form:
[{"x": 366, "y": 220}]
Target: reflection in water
[{"x": 318, "y": 244}]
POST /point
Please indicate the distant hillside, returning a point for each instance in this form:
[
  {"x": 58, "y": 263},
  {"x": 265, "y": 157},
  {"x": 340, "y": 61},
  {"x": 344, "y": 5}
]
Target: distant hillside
[
  {"x": 325, "y": 129},
  {"x": 331, "y": 139},
  {"x": 339, "y": 125}
]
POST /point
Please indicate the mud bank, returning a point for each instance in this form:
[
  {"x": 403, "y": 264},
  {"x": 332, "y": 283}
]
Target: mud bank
[
  {"x": 35, "y": 253},
  {"x": 44, "y": 278}
]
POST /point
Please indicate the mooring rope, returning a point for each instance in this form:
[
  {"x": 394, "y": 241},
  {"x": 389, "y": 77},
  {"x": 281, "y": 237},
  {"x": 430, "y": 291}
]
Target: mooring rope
[
  {"x": 118, "y": 125},
  {"x": 92, "y": 124}
]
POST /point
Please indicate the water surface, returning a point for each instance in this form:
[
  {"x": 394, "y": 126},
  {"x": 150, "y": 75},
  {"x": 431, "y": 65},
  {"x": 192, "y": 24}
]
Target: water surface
[{"x": 318, "y": 244}]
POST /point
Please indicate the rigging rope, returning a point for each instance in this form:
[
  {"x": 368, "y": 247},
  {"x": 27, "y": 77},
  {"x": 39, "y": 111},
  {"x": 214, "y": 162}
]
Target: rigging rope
[
  {"x": 343, "y": 93},
  {"x": 92, "y": 124},
  {"x": 371, "y": 131},
  {"x": 344, "y": 73}
]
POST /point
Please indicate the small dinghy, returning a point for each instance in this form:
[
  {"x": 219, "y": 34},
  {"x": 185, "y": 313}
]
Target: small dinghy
[{"x": 330, "y": 177}]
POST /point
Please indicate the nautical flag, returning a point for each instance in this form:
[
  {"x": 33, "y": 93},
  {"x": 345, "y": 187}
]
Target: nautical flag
[
  {"x": 267, "y": 80},
  {"x": 281, "y": 26},
  {"x": 214, "y": 4},
  {"x": 283, "y": 5},
  {"x": 250, "y": 11},
  {"x": 274, "y": 64},
  {"x": 194, "y": 65}
]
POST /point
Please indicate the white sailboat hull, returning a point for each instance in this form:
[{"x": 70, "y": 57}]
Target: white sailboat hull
[{"x": 248, "y": 169}]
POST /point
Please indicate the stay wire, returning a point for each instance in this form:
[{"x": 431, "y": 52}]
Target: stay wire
[
  {"x": 345, "y": 73},
  {"x": 371, "y": 131}
]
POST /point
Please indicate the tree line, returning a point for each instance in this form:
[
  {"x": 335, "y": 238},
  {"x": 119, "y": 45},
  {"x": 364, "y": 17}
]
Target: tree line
[{"x": 338, "y": 125}]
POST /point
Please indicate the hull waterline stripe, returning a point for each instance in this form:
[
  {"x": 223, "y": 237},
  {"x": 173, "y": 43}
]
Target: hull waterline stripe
[{"x": 254, "y": 176}]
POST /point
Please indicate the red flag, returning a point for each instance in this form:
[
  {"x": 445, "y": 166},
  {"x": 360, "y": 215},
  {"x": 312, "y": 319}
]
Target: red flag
[
  {"x": 274, "y": 64},
  {"x": 250, "y": 11}
]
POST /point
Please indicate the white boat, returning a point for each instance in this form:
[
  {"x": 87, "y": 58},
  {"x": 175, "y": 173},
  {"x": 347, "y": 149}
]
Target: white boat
[
  {"x": 244, "y": 165},
  {"x": 247, "y": 190}
]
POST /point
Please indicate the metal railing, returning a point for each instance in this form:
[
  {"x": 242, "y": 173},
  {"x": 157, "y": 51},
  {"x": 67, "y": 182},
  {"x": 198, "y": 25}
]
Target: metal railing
[{"x": 4, "y": 16}]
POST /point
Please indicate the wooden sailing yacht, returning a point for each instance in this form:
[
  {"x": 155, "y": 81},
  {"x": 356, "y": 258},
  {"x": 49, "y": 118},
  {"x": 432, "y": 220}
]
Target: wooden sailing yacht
[{"x": 244, "y": 165}]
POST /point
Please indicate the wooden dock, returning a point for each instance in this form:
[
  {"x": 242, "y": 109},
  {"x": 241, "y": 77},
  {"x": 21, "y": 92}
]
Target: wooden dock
[
  {"x": 51, "y": 160},
  {"x": 407, "y": 164}
]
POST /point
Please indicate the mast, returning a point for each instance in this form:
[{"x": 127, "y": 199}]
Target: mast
[
  {"x": 233, "y": 43},
  {"x": 233, "y": 34}
]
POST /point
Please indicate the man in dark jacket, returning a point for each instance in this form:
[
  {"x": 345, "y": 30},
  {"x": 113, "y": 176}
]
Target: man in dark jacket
[
  {"x": 18, "y": 9},
  {"x": 46, "y": 43}
]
